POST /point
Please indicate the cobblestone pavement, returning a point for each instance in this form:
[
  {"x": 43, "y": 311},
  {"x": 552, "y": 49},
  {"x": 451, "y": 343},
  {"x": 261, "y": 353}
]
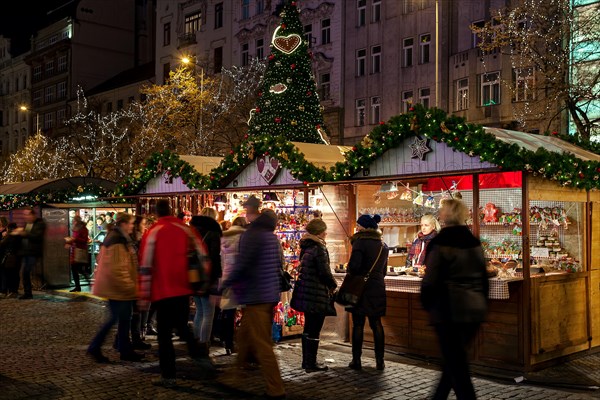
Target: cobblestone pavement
[{"x": 42, "y": 356}]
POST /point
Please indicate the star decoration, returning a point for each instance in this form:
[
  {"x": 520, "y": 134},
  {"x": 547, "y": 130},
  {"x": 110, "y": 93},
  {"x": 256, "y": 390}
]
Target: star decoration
[{"x": 419, "y": 148}]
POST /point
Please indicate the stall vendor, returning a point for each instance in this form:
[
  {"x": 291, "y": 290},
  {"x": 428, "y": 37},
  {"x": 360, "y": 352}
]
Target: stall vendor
[{"x": 429, "y": 229}]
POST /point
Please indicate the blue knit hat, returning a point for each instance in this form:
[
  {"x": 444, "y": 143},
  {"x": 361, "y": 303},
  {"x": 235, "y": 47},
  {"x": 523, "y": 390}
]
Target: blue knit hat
[{"x": 366, "y": 221}]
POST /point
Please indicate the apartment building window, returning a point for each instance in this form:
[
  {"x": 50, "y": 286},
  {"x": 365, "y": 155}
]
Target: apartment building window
[
  {"x": 218, "y": 59},
  {"x": 192, "y": 22},
  {"x": 425, "y": 45},
  {"x": 360, "y": 112},
  {"x": 245, "y": 9},
  {"x": 37, "y": 98},
  {"x": 325, "y": 83},
  {"x": 490, "y": 89},
  {"x": 166, "y": 71},
  {"x": 308, "y": 36},
  {"x": 260, "y": 6},
  {"x": 375, "y": 110},
  {"x": 424, "y": 96},
  {"x": 120, "y": 104},
  {"x": 49, "y": 68},
  {"x": 48, "y": 121},
  {"x": 37, "y": 72},
  {"x": 475, "y": 39},
  {"x": 462, "y": 94},
  {"x": 376, "y": 59},
  {"x": 326, "y": 31},
  {"x": 61, "y": 115},
  {"x": 109, "y": 107},
  {"x": 361, "y": 6},
  {"x": 260, "y": 48},
  {"x": 407, "y": 52},
  {"x": 361, "y": 56},
  {"x": 61, "y": 90},
  {"x": 524, "y": 81},
  {"x": 167, "y": 34},
  {"x": 376, "y": 11},
  {"x": 53, "y": 39},
  {"x": 218, "y": 15},
  {"x": 407, "y": 100},
  {"x": 245, "y": 55},
  {"x": 49, "y": 95},
  {"x": 62, "y": 63}
]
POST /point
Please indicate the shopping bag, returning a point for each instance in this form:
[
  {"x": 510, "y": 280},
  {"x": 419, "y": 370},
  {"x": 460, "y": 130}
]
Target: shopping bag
[{"x": 351, "y": 290}]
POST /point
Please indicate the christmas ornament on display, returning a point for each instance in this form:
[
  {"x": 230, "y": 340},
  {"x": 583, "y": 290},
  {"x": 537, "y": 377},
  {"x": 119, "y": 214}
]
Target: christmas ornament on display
[
  {"x": 289, "y": 106},
  {"x": 419, "y": 148}
]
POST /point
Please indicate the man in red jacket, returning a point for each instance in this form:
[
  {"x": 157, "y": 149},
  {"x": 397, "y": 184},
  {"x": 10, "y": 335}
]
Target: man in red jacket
[{"x": 169, "y": 250}]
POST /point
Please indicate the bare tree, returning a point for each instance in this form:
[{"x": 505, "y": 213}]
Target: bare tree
[{"x": 553, "y": 49}]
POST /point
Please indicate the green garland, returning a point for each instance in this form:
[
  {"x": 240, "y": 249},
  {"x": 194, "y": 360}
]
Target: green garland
[
  {"x": 13, "y": 201},
  {"x": 470, "y": 139}
]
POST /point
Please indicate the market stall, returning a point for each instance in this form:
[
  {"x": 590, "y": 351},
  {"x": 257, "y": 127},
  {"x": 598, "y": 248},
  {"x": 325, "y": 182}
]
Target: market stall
[{"x": 536, "y": 235}]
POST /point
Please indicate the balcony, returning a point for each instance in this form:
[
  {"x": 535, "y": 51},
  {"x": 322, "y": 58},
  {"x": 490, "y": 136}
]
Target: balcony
[{"x": 186, "y": 39}]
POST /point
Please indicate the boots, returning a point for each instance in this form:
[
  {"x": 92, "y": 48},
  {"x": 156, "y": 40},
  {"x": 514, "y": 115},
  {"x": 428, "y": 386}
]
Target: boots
[
  {"x": 379, "y": 339},
  {"x": 309, "y": 355},
  {"x": 357, "y": 342}
]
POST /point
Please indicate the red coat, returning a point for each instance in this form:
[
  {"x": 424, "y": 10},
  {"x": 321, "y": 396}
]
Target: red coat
[
  {"x": 80, "y": 241},
  {"x": 164, "y": 251}
]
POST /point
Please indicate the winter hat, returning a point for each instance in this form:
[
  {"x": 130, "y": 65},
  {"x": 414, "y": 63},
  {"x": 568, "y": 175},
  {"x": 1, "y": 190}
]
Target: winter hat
[
  {"x": 316, "y": 226},
  {"x": 366, "y": 221}
]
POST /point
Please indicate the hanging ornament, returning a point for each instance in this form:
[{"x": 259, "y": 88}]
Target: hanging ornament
[
  {"x": 430, "y": 201},
  {"x": 414, "y": 123},
  {"x": 301, "y": 107},
  {"x": 257, "y": 109},
  {"x": 271, "y": 56},
  {"x": 444, "y": 128},
  {"x": 321, "y": 108},
  {"x": 419, "y": 200},
  {"x": 309, "y": 93},
  {"x": 286, "y": 44},
  {"x": 277, "y": 120},
  {"x": 278, "y": 63},
  {"x": 289, "y": 80},
  {"x": 406, "y": 194},
  {"x": 294, "y": 122},
  {"x": 278, "y": 88},
  {"x": 268, "y": 103},
  {"x": 293, "y": 66}
]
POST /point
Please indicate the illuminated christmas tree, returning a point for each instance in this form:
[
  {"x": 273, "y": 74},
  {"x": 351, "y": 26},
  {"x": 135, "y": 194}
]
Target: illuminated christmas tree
[{"x": 288, "y": 103}]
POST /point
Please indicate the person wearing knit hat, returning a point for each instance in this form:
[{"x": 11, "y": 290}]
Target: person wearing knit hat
[
  {"x": 369, "y": 256},
  {"x": 368, "y": 222},
  {"x": 312, "y": 291}
]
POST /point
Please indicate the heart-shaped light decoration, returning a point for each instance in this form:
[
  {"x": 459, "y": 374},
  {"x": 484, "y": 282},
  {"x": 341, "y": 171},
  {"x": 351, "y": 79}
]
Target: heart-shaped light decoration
[{"x": 286, "y": 44}]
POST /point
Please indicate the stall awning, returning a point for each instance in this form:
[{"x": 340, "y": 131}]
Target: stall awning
[
  {"x": 322, "y": 155},
  {"x": 48, "y": 185},
  {"x": 533, "y": 142}
]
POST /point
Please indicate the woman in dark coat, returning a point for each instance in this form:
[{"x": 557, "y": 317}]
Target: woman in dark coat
[
  {"x": 312, "y": 291},
  {"x": 369, "y": 251},
  {"x": 454, "y": 291},
  {"x": 10, "y": 249}
]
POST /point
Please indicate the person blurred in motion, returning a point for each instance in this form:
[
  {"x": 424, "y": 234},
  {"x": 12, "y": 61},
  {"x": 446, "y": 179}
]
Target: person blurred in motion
[
  {"x": 79, "y": 244},
  {"x": 313, "y": 290},
  {"x": 454, "y": 291},
  {"x": 139, "y": 317},
  {"x": 168, "y": 250},
  {"x": 116, "y": 280},
  {"x": 210, "y": 231},
  {"x": 11, "y": 262},
  {"x": 256, "y": 283},
  {"x": 229, "y": 252},
  {"x": 369, "y": 253},
  {"x": 32, "y": 248},
  {"x": 418, "y": 250}
]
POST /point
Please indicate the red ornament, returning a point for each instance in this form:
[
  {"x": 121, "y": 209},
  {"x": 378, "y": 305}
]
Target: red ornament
[
  {"x": 257, "y": 109},
  {"x": 309, "y": 93},
  {"x": 266, "y": 153},
  {"x": 581, "y": 175},
  {"x": 246, "y": 136},
  {"x": 259, "y": 94},
  {"x": 456, "y": 139},
  {"x": 271, "y": 56},
  {"x": 305, "y": 183},
  {"x": 381, "y": 122},
  {"x": 310, "y": 54},
  {"x": 277, "y": 119},
  {"x": 293, "y": 66},
  {"x": 354, "y": 148},
  {"x": 318, "y": 126},
  {"x": 555, "y": 133},
  {"x": 282, "y": 26},
  {"x": 231, "y": 152},
  {"x": 212, "y": 178},
  {"x": 293, "y": 3},
  {"x": 125, "y": 185},
  {"x": 411, "y": 109}
]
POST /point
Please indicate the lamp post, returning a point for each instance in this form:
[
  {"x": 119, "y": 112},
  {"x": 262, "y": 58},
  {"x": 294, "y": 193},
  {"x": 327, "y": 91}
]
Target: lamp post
[
  {"x": 37, "y": 118},
  {"x": 188, "y": 61}
]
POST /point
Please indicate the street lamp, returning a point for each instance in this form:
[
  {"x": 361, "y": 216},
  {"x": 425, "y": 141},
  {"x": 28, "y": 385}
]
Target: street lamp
[
  {"x": 37, "y": 118},
  {"x": 187, "y": 61}
]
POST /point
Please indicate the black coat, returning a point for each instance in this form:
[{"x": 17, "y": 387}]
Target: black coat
[
  {"x": 455, "y": 285},
  {"x": 365, "y": 248},
  {"x": 33, "y": 241},
  {"x": 10, "y": 251},
  {"x": 315, "y": 281},
  {"x": 211, "y": 233}
]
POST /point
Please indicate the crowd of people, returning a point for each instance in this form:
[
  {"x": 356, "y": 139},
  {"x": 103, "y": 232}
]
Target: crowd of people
[{"x": 154, "y": 270}]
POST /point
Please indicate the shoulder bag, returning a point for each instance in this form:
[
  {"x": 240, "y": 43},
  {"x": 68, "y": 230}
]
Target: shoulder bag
[
  {"x": 353, "y": 286},
  {"x": 80, "y": 256}
]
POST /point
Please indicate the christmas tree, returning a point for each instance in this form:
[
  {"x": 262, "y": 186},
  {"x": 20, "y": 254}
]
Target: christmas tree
[{"x": 288, "y": 103}]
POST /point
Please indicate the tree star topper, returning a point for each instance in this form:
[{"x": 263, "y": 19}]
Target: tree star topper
[{"x": 419, "y": 148}]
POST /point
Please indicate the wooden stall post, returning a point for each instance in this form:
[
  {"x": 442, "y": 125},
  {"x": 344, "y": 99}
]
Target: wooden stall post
[{"x": 525, "y": 253}]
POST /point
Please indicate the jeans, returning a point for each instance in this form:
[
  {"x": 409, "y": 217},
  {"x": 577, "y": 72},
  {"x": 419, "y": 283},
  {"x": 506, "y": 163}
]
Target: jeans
[
  {"x": 120, "y": 311},
  {"x": 173, "y": 313},
  {"x": 29, "y": 263},
  {"x": 255, "y": 338},
  {"x": 203, "y": 320}
]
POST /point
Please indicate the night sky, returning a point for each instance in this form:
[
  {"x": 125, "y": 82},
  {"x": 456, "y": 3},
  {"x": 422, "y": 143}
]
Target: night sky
[{"x": 20, "y": 18}]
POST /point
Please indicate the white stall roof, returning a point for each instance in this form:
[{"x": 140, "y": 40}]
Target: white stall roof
[
  {"x": 322, "y": 155},
  {"x": 202, "y": 164}
]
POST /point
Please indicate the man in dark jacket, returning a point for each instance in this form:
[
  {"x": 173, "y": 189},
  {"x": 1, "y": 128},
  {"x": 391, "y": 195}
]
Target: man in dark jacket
[
  {"x": 32, "y": 248},
  {"x": 454, "y": 291},
  {"x": 255, "y": 281}
]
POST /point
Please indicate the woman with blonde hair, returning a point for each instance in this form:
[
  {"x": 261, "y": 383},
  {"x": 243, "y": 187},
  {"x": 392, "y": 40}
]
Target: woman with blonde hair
[
  {"x": 418, "y": 250},
  {"x": 455, "y": 291}
]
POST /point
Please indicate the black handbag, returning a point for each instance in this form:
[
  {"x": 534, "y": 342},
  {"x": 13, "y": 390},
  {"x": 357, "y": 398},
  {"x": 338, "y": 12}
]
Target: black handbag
[
  {"x": 353, "y": 286},
  {"x": 286, "y": 281}
]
